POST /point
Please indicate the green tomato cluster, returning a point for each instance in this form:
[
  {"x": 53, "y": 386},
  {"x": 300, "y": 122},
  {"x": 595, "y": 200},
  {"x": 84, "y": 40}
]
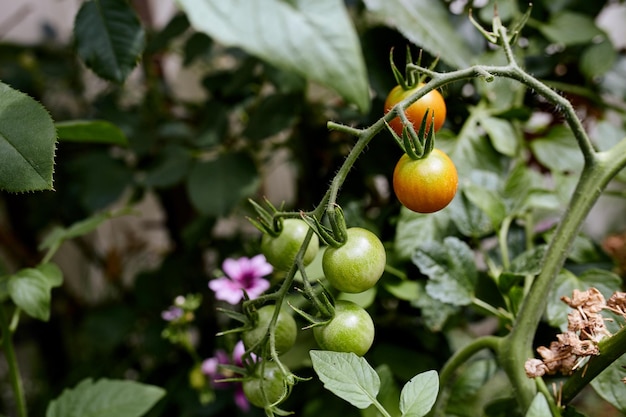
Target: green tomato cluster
[{"x": 281, "y": 250}]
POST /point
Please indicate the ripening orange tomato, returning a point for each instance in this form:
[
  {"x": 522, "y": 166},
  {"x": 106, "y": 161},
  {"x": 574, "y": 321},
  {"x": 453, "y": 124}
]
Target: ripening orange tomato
[
  {"x": 425, "y": 185},
  {"x": 432, "y": 101}
]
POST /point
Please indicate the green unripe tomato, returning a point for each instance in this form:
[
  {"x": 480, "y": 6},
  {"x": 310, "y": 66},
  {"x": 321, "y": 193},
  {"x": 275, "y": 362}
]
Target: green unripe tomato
[
  {"x": 350, "y": 330},
  {"x": 285, "y": 333},
  {"x": 267, "y": 390},
  {"x": 281, "y": 250},
  {"x": 358, "y": 264}
]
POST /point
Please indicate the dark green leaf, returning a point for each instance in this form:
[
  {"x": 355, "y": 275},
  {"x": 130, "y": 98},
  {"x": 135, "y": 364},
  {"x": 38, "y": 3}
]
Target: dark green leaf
[
  {"x": 216, "y": 186},
  {"x": 402, "y": 289},
  {"x": 414, "y": 228},
  {"x": 606, "y": 282},
  {"x": 347, "y": 375},
  {"x": 503, "y": 137},
  {"x": 419, "y": 394},
  {"x": 272, "y": 115},
  {"x": 427, "y": 25},
  {"x": 434, "y": 312},
  {"x": 490, "y": 202},
  {"x": 314, "y": 39},
  {"x": 27, "y": 143},
  {"x": 451, "y": 268},
  {"x": 469, "y": 219},
  {"x": 172, "y": 165},
  {"x": 463, "y": 400},
  {"x": 109, "y": 38},
  {"x": 197, "y": 46},
  {"x": 91, "y": 131},
  {"x": 608, "y": 385},
  {"x": 558, "y": 150},
  {"x": 570, "y": 28},
  {"x": 597, "y": 59},
  {"x": 30, "y": 289},
  {"x": 529, "y": 262},
  {"x": 105, "y": 398}
]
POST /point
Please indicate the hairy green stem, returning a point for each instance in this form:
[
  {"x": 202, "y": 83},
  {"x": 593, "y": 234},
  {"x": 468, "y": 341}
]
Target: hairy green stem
[{"x": 14, "y": 372}]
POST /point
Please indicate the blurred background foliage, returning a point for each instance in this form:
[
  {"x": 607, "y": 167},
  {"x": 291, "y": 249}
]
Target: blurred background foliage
[{"x": 209, "y": 126}]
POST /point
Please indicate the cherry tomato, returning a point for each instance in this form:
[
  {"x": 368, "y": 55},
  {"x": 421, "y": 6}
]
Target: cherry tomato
[
  {"x": 425, "y": 185},
  {"x": 285, "y": 332},
  {"x": 267, "y": 390},
  {"x": 432, "y": 101},
  {"x": 358, "y": 264},
  {"x": 350, "y": 330},
  {"x": 281, "y": 251}
]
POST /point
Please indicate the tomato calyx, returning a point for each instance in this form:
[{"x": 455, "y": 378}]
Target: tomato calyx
[
  {"x": 416, "y": 145},
  {"x": 337, "y": 234}
]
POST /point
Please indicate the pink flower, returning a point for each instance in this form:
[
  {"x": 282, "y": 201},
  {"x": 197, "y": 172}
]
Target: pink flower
[
  {"x": 242, "y": 274},
  {"x": 210, "y": 367},
  {"x": 172, "y": 313}
]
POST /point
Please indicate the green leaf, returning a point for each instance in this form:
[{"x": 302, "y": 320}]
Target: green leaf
[
  {"x": 172, "y": 165},
  {"x": 389, "y": 395},
  {"x": 315, "y": 39},
  {"x": 273, "y": 114},
  {"x": 216, "y": 186},
  {"x": 427, "y": 24},
  {"x": 347, "y": 375},
  {"x": 451, "y": 269},
  {"x": 539, "y": 407},
  {"x": 27, "y": 143},
  {"x": 419, "y": 394},
  {"x": 434, "y": 312},
  {"x": 91, "y": 131},
  {"x": 606, "y": 282},
  {"x": 468, "y": 218},
  {"x": 529, "y": 262},
  {"x": 608, "y": 385},
  {"x": 570, "y": 28},
  {"x": 30, "y": 289},
  {"x": 489, "y": 201},
  {"x": 105, "y": 398},
  {"x": 558, "y": 150},
  {"x": 109, "y": 38},
  {"x": 597, "y": 59},
  {"x": 414, "y": 228},
  {"x": 465, "y": 394},
  {"x": 402, "y": 289},
  {"x": 503, "y": 137}
]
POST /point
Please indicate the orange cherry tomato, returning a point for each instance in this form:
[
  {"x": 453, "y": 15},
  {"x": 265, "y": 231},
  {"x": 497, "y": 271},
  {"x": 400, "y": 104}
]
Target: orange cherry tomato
[{"x": 432, "y": 101}]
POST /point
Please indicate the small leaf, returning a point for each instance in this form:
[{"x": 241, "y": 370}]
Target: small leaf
[
  {"x": 414, "y": 228},
  {"x": 427, "y": 24},
  {"x": 91, "y": 131},
  {"x": 539, "y": 407},
  {"x": 529, "y": 262},
  {"x": 608, "y": 385},
  {"x": 109, "y": 38},
  {"x": 419, "y": 394},
  {"x": 434, "y": 312},
  {"x": 105, "y": 398},
  {"x": 347, "y": 375},
  {"x": 30, "y": 289},
  {"x": 451, "y": 269},
  {"x": 27, "y": 143},
  {"x": 489, "y": 201},
  {"x": 597, "y": 59},
  {"x": 216, "y": 186},
  {"x": 570, "y": 28},
  {"x": 272, "y": 115},
  {"x": 315, "y": 39},
  {"x": 558, "y": 150},
  {"x": 502, "y": 135},
  {"x": 171, "y": 166}
]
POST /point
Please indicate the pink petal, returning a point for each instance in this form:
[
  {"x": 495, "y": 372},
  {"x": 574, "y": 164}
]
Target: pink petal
[
  {"x": 209, "y": 366},
  {"x": 233, "y": 268},
  {"x": 241, "y": 400},
  {"x": 226, "y": 290},
  {"x": 259, "y": 286},
  {"x": 260, "y": 266}
]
